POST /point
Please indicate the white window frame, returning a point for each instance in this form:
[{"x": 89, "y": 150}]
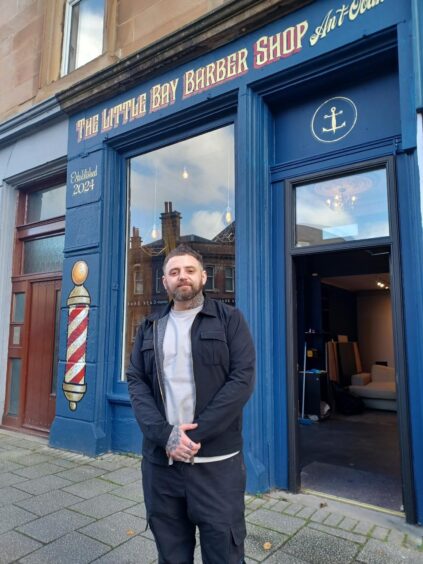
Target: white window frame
[
  {"x": 212, "y": 277},
  {"x": 232, "y": 278},
  {"x": 70, "y": 4}
]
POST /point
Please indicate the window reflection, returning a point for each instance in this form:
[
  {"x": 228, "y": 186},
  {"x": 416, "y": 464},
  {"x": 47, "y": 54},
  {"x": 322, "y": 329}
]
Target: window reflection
[
  {"x": 84, "y": 33},
  {"x": 45, "y": 204},
  {"x": 183, "y": 193},
  {"x": 346, "y": 208}
]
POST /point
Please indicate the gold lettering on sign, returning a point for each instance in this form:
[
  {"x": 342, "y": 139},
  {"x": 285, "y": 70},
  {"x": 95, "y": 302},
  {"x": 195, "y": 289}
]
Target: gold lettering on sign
[
  {"x": 336, "y": 18},
  {"x": 83, "y": 180},
  {"x": 217, "y": 72},
  {"x": 87, "y": 127},
  {"x": 127, "y": 111},
  {"x": 163, "y": 95},
  {"x": 271, "y": 48}
]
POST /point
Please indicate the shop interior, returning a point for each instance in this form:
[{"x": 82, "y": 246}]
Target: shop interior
[{"x": 347, "y": 408}]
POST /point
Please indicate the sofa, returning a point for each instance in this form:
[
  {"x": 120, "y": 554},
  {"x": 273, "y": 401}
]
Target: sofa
[{"x": 376, "y": 388}]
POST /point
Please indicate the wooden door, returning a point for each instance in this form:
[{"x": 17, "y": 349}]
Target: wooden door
[{"x": 42, "y": 358}]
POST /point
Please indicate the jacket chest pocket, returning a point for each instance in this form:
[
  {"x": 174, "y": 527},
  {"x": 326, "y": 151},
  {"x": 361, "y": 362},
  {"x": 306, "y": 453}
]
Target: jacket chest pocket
[
  {"x": 214, "y": 348},
  {"x": 147, "y": 351}
]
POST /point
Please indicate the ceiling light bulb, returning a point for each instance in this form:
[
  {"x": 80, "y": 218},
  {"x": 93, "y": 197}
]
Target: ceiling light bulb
[
  {"x": 154, "y": 232},
  {"x": 228, "y": 216},
  {"x": 185, "y": 174}
]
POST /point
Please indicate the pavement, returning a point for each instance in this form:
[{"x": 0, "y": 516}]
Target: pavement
[{"x": 60, "y": 507}]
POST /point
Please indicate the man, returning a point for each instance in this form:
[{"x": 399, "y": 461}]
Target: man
[{"x": 190, "y": 374}]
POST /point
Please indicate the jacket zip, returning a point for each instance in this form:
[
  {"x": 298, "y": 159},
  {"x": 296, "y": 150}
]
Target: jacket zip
[{"x": 158, "y": 366}]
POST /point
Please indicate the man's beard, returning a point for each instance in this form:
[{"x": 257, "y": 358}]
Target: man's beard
[{"x": 182, "y": 294}]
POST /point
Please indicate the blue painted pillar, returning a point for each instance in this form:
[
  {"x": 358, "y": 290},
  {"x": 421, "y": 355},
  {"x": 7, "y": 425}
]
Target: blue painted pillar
[
  {"x": 265, "y": 427},
  {"x": 80, "y": 422}
]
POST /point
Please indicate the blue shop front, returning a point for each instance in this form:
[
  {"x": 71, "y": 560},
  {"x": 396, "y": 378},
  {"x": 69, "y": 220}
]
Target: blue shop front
[{"x": 288, "y": 159}]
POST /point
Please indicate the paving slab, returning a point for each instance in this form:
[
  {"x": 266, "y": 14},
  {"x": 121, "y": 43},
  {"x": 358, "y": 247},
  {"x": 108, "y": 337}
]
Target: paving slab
[
  {"x": 131, "y": 552},
  {"x": 42, "y": 485},
  {"x": 39, "y": 470},
  {"x": 115, "y": 529},
  {"x": 341, "y": 533},
  {"x": 11, "y": 517},
  {"x": 276, "y": 521},
  {"x": 320, "y": 548},
  {"x": 13, "y": 546},
  {"x": 280, "y": 557},
  {"x": 379, "y": 552},
  {"x": 137, "y": 510},
  {"x": 81, "y": 473},
  {"x": 90, "y": 488},
  {"x": 10, "y": 494},
  {"x": 49, "y": 502},
  {"x": 103, "y": 506},
  {"x": 55, "y": 525},
  {"x": 73, "y": 548},
  {"x": 9, "y": 479},
  {"x": 123, "y": 476},
  {"x": 131, "y": 491},
  {"x": 260, "y": 543}
]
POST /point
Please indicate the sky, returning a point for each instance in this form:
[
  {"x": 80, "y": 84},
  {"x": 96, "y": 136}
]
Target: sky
[{"x": 202, "y": 198}]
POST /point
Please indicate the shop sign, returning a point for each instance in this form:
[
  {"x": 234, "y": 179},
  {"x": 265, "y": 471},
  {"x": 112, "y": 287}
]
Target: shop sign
[{"x": 266, "y": 50}]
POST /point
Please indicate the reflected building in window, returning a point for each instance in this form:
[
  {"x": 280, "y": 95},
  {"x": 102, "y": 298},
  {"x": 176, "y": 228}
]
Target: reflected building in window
[{"x": 145, "y": 268}]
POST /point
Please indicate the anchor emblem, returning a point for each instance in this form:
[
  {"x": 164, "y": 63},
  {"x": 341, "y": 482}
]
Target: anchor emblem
[
  {"x": 334, "y": 119},
  {"x": 333, "y": 115}
]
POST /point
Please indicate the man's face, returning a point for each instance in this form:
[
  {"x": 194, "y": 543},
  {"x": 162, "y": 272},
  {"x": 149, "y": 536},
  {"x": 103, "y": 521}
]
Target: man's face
[{"x": 184, "y": 278}]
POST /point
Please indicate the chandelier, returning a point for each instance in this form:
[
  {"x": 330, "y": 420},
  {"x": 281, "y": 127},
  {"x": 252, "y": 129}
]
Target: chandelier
[{"x": 343, "y": 193}]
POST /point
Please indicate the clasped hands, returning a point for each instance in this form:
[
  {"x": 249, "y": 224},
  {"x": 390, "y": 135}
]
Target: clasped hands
[{"x": 179, "y": 446}]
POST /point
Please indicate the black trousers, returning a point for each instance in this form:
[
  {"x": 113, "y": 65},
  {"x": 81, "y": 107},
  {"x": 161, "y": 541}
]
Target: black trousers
[{"x": 208, "y": 495}]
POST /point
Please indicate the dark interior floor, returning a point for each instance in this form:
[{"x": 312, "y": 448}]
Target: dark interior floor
[{"x": 355, "y": 457}]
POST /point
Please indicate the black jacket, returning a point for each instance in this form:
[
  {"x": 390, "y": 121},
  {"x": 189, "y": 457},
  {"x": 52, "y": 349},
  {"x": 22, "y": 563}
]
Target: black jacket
[{"x": 224, "y": 371}]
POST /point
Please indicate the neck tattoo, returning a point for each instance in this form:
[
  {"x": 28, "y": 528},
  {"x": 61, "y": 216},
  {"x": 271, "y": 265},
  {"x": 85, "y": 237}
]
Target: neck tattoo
[{"x": 196, "y": 301}]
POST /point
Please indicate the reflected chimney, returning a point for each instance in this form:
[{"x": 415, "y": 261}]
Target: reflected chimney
[
  {"x": 171, "y": 226},
  {"x": 135, "y": 241}
]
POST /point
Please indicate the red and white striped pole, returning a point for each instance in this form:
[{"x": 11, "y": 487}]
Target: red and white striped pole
[{"x": 79, "y": 300}]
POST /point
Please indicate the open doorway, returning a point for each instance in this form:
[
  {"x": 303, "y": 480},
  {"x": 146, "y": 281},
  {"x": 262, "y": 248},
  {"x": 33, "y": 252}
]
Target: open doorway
[{"x": 349, "y": 430}]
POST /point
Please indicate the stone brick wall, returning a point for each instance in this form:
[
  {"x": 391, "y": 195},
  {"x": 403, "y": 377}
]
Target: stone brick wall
[{"x": 21, "y": 26}]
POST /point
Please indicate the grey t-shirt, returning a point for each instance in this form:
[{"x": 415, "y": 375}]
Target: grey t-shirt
[{"x": 177, "y": 366}]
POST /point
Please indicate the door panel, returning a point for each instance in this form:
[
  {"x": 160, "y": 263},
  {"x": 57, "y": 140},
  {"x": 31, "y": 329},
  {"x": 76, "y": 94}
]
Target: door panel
[{"x": 40, "y": 397}]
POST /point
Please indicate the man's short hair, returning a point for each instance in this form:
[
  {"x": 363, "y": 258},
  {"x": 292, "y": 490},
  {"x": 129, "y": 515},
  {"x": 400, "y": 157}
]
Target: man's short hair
[{"x": 181, "y": 250}]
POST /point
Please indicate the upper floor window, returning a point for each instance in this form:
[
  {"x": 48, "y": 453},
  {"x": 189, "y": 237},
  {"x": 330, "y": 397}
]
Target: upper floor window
[
  {"x": 83, "y": 33},
  {"x": 210, "y": 278},
  {"x": 138, "y": 281}
]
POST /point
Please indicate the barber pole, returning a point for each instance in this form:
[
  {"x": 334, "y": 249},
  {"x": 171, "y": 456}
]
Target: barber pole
[{"x": 79, "y": 300}]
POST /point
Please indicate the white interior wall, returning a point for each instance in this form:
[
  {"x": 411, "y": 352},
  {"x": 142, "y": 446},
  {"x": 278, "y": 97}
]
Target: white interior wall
[{"x": 375, "y": 332}]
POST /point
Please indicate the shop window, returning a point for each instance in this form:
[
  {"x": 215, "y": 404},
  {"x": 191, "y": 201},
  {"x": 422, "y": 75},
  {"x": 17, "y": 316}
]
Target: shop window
[
  {"x": 210, "y": 278},
  {"x": 229, "y": 279},
  {"x": 181, "y": 193},
  {"x": 343, "y": 208},
  {"x": 83, "y": 33}
]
